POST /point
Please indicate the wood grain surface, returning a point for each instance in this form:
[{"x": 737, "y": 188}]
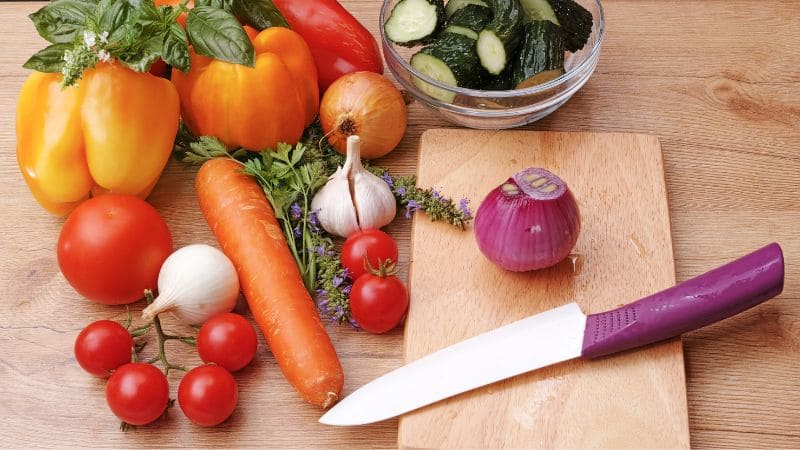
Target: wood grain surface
[
  {"x": 624, "y": 252},
  {"x": 717, "y": 81}
]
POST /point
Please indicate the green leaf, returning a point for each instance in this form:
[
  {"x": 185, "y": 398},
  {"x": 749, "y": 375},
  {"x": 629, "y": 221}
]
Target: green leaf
[
  {"x": 217, "y": 34},
  {"x": 117, "y": 17},
  {"x": 259, "y": 14},
  {"x": 62, "y": 21},
  {"x": 219, "y": 4},
  {"x": 145, "y": 55},
  {"x": 50, "y": 59},
  {"x": 176, "y": 48}
]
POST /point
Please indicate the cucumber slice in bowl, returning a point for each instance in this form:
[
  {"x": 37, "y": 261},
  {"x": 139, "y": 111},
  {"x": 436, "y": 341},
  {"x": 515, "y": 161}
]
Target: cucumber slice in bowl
[
  {"x": 541, "y": 56},
  {"x": 434, "y": 68},
  {"x": 451, "y": 60},
  {"x": 454, "y": 5},
  {"x": 413, "y": 22},
  {"x": 498, "y": 42}
]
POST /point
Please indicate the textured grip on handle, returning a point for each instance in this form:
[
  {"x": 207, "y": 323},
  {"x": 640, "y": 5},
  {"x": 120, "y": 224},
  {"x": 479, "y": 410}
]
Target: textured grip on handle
[{"x": 693, "y": 304}]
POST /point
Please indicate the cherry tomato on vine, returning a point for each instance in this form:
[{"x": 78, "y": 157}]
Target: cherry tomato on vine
[
  {"x": 111, "y": 248},
  {"x": 103, "y": 346},
  {"x": 378, "y": 245},
  {"x": 227, "y": 340},
  {"x": 137, "y": 393},
  {"x": 379, "y": 300},
  {"x": 208, "y": 395}
]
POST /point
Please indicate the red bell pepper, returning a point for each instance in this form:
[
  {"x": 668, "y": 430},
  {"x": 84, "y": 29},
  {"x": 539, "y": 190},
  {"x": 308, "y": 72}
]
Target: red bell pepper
[{"x": 339, "y": 43}]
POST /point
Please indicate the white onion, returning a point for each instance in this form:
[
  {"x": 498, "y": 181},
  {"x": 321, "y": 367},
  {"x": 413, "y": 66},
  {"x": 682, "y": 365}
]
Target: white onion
[{"x": 195, "y": 283}]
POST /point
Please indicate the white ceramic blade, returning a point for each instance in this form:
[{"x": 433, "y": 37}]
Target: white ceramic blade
[{"x": 537, "y": 341}]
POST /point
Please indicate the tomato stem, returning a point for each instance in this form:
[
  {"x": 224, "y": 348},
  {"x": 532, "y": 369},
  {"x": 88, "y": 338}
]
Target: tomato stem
[{"x": 162, "y": 339}]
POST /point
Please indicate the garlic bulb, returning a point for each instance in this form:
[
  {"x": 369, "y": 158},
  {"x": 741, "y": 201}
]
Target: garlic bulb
[
  {"x": 354, "y": 199},
  {"x": 195, "y": 283}
]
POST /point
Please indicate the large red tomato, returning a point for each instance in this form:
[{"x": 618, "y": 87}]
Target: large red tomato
[{"x": 112, "y": 247}]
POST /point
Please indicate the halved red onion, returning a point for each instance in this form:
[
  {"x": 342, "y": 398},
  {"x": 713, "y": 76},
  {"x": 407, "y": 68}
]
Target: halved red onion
[{"x": 529, "y": 222}]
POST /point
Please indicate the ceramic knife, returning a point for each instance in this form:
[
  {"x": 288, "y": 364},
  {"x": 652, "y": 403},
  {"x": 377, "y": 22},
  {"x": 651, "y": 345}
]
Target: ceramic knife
[{"x": 565, "y": 333}]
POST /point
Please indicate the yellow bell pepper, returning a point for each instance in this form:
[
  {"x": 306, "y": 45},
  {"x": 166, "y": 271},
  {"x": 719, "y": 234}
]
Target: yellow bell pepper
[{"x": 112, "y": 133}]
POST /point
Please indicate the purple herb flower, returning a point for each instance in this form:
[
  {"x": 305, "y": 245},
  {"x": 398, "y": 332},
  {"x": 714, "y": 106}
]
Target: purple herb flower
[
  {"x": 297, "y": 232},
  {"x": 337, "y": 280},
  {"x": 387, "y": 179},
  {"x": 295, "y": 211},
  {"x": 313, "y": 220},
  {"x": 320, "y": 249},
  {"x": 354, "y": 324},
  {"x": 464, "y": 206},
  {"x": 411, "y": 207},
  {"x": 346, "y": 290},
  {"x": 401, "y": 191}
]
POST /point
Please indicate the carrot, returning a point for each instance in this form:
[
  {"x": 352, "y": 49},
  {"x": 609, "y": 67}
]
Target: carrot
[{"x": 248, "y": 232}]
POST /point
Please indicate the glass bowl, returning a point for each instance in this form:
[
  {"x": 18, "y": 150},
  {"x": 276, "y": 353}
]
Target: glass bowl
[{"x": 497, "y": 109}]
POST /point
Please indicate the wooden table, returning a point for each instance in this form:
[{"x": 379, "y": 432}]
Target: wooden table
[{"x": 717, "y": 81}]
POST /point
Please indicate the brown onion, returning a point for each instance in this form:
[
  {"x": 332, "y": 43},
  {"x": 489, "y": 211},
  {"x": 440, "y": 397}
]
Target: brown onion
[
  {"x": 367, "y": 105},
  {"x": 529, "y": 222}
]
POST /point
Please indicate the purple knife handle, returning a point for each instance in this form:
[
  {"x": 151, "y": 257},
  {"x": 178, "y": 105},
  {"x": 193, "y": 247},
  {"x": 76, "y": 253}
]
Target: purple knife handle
[{"x": 695, "y": 303}]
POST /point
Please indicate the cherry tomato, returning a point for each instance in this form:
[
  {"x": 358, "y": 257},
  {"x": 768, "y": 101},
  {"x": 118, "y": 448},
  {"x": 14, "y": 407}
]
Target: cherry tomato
[
  {"x": 227, "y": 340},
  {"x": 375, "y": 243},
  {"x": 378, "y": 303},
  {"x": 137, "y": 393},
  {"x": 208, "y": 395},
  {"x": 112, "y": 247},
  {"x": 102, "y": 347}
]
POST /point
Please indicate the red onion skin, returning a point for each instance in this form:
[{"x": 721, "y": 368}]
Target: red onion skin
[{"x": 520, "y": 233}]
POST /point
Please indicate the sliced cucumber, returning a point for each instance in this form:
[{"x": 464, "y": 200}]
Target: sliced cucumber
[
  {"x": 462, "y": 31},
  {"x": 439, "y": 71},
  {"x": 497, "y": 43},
  {"x": 452, "y": 60},
  {"x": 455, "y": 5},
  {"x": 576, "y": 23},
  {"x": 541, "y": 57},
  {"x": 500, "y": 82},
  {"x": 473, "y": 17},
  {"x": 538, "y": 10},
  {"x": 413, "y": 22}
]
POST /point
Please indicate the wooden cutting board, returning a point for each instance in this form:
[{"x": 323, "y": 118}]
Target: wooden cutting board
[{"x": 637, "y": 399}]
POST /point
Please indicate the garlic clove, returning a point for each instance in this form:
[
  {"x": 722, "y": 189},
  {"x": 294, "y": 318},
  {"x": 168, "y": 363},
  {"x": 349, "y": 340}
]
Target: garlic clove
[
  {"x": 334, "y": 204},
  {"x": 373, "y": 199}
]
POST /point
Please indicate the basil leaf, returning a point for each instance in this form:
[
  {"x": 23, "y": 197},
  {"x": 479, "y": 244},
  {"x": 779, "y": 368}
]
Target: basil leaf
[
  {"x": 50, "y": 59},
  {"x": 62, "y": 20},
  {"x": 259, "y": 14},
  {"x": 176, "y": 49},
  {"x": 219, "y": 4},
  {"x": 217, "y": 34},
  {"x": 116, "y": 17},
  {"x": 148, "y": 52}
]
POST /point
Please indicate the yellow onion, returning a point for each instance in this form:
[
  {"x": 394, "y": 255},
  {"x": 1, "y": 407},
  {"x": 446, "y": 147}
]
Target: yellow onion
[
  {"x": 367, "y": 105},
  {"x": 529, "y": 222}
]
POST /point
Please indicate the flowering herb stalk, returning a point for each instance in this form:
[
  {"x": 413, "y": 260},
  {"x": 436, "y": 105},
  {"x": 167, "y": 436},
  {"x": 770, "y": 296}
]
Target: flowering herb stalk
[{"x": 290, "y": 176}]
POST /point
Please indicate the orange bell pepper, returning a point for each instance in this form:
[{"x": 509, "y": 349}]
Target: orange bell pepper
[
  {"x": 253, "y": 107},
  {"x": 113, "y": 132}
]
